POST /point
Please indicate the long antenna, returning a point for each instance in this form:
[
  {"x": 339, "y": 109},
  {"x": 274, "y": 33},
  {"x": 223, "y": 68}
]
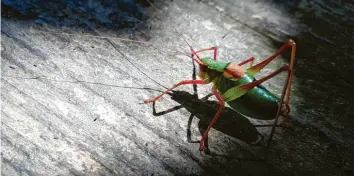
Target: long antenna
[
  {"x": 126, "y": 58},
  {"x": 80, "y": 81},
  {"x": 118, "y": 38},
  {"x": 121, "y": 39},
  {"x": 129, "y": 40}
]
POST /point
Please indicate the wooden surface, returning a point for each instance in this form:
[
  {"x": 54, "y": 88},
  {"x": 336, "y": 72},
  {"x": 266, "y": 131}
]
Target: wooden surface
[{"x": 72, "y": 104}]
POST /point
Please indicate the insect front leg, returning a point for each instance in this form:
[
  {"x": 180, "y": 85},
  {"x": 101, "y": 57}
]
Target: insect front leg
[
  {"x": 207, "y": 49},
  {"x": 205, "y": 135},
  {"x": 180, "y": 83}
]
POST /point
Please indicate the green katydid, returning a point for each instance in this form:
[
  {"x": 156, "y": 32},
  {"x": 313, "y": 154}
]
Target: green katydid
[{"x": 238, "y": 87}]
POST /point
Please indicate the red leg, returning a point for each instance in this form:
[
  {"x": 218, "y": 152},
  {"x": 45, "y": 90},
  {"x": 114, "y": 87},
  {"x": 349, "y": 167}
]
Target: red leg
[
  {"x": 235, "y": 92},
  {"x": 289, "y": 80},
  {"x": 180, "y": 83},
  {"x": 207, "y": 49},
  {"x": 285, "y": 114},
  {"x": 251, "y": 59},
  {"x": 259, "y": 81},
  {"x": 205, "y": 135},
  {"x": 292, "y": 61},
  {"x": 255, "y": 69},
  {"x": 258, "y": 67},
  {"x": 285, "y": 88}
]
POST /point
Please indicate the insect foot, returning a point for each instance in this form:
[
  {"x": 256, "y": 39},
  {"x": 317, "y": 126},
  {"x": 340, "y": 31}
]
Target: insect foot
[{"x": 203, "y": 148}]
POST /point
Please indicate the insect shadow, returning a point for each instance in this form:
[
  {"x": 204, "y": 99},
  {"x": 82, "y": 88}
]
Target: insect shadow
[{"x": 230, "y": 122}]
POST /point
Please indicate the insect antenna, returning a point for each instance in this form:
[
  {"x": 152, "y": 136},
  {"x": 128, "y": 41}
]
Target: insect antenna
[
  {"x": 155, "y": 46},
  {"x": 80, "y": 81},
  {"x": 111, "y": 43},
  {"x": 126, "y": 58},
  {"x": 116, "y": 48}
]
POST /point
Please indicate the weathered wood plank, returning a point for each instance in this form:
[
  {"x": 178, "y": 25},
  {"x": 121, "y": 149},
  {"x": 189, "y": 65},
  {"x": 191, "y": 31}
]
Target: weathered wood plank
[{"x": 54, "y": 86}]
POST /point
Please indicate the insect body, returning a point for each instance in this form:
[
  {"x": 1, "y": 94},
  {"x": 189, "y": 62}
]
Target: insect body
[
  {"x": 258, "y": 102},
  {"x": 238, "y": 87}
]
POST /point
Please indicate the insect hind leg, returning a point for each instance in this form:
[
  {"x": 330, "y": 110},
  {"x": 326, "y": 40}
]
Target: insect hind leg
[
  {"x": 251, "y": 59},
  {"x": 256, "y": 68},
  {"x": 281, "y": 111},
  {"x": 285, "y": 111}
]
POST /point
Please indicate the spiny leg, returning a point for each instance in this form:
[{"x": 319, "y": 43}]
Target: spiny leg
[
  {"x": 205, "y": 135},
  {"x": 180, "y": 83},
  {"x": 251, "y": 59}
]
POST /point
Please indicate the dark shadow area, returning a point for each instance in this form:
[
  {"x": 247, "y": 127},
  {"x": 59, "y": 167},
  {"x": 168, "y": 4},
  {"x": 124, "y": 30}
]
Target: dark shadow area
[
  {"x": 117, "y": 15},
  {"x": 324, "y": 66},
  {"x": 230, "y": 122},
  {"x": 322, "y": 97},
  {"x": 323, "y": 71},
  {"x": 324, "y": 61}
]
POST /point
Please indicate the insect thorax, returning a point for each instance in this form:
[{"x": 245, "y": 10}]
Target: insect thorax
[
  {"x": 215, "y": 76},
  {"x": 217, "y": 72},
  {"x": 212, "y": 70},
  {"x": 257, "y": 102}
]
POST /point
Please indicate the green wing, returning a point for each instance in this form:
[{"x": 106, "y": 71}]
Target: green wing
[{"x": 234, "y": 93}]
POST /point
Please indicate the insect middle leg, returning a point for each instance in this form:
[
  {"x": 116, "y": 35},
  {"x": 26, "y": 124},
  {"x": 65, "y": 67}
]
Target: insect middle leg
[{"x": 205, "y": 134}]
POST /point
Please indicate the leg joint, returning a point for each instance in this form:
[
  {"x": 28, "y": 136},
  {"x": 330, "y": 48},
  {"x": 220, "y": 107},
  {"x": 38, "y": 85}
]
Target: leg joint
[
  {"x": 285, "y": 67},
  {"x": 291, "y": 42}
]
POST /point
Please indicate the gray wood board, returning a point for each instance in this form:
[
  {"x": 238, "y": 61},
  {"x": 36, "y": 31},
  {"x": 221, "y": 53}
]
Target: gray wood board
[{"x": 55, "y": 85}]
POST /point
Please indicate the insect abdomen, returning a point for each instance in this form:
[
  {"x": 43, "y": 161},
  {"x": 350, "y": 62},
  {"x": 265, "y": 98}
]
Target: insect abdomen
[{"x": 257, "y": 103}]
